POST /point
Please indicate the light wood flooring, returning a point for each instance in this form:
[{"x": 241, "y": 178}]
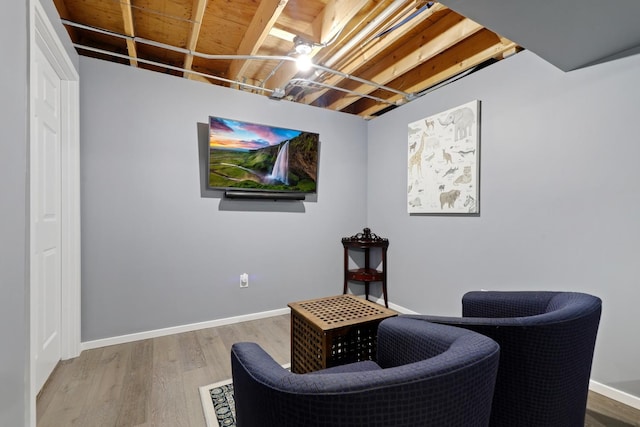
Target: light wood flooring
[{"x": 154, "y": 382}]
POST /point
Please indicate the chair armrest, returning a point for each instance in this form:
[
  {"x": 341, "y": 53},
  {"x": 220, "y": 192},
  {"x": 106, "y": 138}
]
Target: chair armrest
[
  {"x": 471, "y": 323},
  {"x": 249, "y": 359},
  {"x": 505, "y": 304}
]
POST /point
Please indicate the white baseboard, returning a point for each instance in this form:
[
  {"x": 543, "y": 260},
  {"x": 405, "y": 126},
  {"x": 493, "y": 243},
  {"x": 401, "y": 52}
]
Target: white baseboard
[
  {"x": 87, "y": 345},
  {"x": 179, "y": 329},
  {"x": 392, "y": 306},
  {"x": 615, "y": 394},
  {"x": 610, "y": 392}
]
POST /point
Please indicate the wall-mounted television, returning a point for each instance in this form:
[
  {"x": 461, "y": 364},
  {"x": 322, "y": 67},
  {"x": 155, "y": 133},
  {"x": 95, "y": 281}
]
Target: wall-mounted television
[{"x": 251, "y": 158}]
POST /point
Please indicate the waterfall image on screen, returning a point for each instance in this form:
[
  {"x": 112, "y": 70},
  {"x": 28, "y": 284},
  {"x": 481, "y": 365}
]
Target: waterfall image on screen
[
  {"x": 280, "y": 170},
  {"x": 252, "y": 156}
]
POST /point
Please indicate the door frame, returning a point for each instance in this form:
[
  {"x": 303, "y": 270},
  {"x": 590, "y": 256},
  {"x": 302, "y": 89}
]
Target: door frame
[{"x": 42, "y": 35}]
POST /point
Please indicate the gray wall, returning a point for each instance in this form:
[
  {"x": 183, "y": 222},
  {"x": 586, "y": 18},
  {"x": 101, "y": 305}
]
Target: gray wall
[
  {"x": 156, "y": 254},
  {"x": 559, "y": 206},
  {"x": 559, "y": 202},
  {"x": 13, "y": 226}
]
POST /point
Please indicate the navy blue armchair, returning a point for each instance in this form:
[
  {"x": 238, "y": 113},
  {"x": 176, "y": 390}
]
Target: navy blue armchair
[
  {"x": 426, "y": 375},
  {"x": 546, "y": 343}
]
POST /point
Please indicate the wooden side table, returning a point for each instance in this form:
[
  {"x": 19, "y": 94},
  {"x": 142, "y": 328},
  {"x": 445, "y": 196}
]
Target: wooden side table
[
  {"x": 365, "y": 241},
  {"x": 333, "y": 331}
]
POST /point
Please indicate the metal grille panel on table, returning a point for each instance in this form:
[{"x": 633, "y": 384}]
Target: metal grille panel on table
[{"x": 332, "y": 331}]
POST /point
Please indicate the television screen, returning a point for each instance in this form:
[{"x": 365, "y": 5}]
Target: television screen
[{"x": 257, "y": 157}]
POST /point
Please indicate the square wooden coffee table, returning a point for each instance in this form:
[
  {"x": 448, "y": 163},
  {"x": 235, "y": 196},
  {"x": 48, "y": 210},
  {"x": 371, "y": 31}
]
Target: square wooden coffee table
[{"x": 333, "y": 331}]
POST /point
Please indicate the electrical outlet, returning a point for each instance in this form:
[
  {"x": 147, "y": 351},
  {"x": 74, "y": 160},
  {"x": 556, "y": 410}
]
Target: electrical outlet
[{"x": 244, "y": 280}]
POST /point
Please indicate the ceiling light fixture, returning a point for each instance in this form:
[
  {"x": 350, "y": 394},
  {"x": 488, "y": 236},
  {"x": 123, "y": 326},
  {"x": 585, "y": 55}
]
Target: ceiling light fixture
[
  {"x": 301, "y": 46},
  {"x": 303, "y": 49}
]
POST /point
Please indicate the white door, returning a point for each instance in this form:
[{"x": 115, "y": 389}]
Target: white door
[{"x": 45, "y": 217}]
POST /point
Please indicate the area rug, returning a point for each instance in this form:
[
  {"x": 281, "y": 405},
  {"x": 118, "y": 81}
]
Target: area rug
[{"x": 218, "y": 404}]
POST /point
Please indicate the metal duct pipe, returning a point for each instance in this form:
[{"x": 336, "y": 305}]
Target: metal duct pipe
[
  {"x": 295, "y": 82},
  {"x": 173, "y": 48},
  {"x": 229, "y": 57},
  {"x": 358, "y": 79},
  {"x": 222, "y": 79},
  {"x": 272, "y": 73},
  {"x": 171, "y": 67},
  {"x": 370, "y": 26}
]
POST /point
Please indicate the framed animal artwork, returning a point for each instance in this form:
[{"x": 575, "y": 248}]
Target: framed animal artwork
[{"x": 443, "y": 161}]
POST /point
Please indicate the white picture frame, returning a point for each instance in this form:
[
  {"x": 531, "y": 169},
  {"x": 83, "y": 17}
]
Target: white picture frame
[{"x": 443, "y": 162}]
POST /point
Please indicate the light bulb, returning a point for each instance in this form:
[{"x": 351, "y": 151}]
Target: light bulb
[{"x": 303, "y": 62}]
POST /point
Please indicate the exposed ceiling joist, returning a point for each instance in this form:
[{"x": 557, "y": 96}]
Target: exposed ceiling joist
[
  {"x": 197, "y": 15},
  {"x": 369, "y": 55},
  {"x": 474, "y": 51},
  {"x": 369, "y": 48},
  {"x": 335, "y": 16},
  {"x": 127, "y": 18},
  {"x": 64, "y": 14},
  {"x": 352, "y": 35},
  {"x": 265, "y": 17},
  {"x": 281, "y": 34},
  {"x": 445, "y": 33}
]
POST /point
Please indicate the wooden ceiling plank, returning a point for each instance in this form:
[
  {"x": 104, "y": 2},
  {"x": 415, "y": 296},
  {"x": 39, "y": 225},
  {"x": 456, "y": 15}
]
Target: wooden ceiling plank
[
  {"x": 197, "y": 15},
  {"x": 281, "y": 34},
  {"x": 444, "y": 34},
  {"x": 484, "y": 46},
  {"x": 64, "y": 14},
  {"x": 398, "y": 59},
  {"x": 360, "y": 58},
  {"x": 371, "y": 20},
  {"x": 361, "y": 44},
  {"x": 298, "y": 18},
  {"x": 265, "y": 17},
  {"x": 334, "y": 17},
  {"x": 442, "y": 68},
  {"x": 62, "y": 9},
  {"x": 289, "y": 70},
  {"x": 409, "y": 56},
  {"x": 199, "y": 78},
  {"x": 374, "y": 45},
  {"x": 127, "y": 18}
]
